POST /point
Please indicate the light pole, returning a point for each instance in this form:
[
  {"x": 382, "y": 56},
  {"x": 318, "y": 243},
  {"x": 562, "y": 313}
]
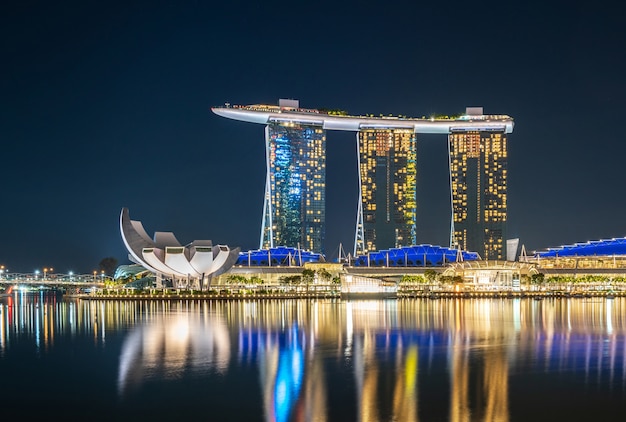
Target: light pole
[
  {"x": 36, "y": 274},
  {"x": 71, "y": 275},
  {"x": 94, "y": 275}
]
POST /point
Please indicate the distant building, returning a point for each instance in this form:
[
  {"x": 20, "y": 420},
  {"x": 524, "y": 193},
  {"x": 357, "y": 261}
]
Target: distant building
[{"x": 478, "y": 183}]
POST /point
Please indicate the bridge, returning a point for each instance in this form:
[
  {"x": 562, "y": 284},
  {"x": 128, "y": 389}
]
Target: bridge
[{"x": 53, "y": 280}]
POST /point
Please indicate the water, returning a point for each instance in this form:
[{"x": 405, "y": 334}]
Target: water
[{"x": 313, "y": 360}]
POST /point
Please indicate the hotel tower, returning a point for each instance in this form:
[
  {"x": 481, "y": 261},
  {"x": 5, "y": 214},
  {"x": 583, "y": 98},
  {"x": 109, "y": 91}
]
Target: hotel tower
[
  {"x": 294, "y": 210},
  {"x": 387, "y": 209},
  {"x": 478, "y": 185}
]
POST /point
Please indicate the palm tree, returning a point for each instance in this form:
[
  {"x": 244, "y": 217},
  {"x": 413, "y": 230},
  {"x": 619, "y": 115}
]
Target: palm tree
[{"x": 308, "y": 275}]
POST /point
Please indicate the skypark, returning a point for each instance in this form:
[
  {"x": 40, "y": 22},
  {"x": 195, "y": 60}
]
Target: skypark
[{"x": 288, "y": 111}]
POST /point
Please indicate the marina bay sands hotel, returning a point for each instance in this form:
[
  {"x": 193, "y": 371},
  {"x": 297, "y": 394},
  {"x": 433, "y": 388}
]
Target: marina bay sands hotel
[{"x": 294, "y": 209}]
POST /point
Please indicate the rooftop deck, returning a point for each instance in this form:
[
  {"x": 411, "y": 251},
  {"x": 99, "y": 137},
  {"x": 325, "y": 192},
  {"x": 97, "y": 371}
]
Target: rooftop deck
[{"x": 338, "y": 120}]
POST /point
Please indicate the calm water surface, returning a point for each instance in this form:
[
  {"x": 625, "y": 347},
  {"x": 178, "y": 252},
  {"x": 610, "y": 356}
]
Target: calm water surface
[{"x": 313, "y": 360}]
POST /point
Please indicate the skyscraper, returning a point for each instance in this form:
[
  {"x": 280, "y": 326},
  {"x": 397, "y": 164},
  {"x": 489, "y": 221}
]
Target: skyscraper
[
  {"x": 478, "y": 182},
  {"x": 387, "y": 183},
  {"x": 294, "y": 207}
]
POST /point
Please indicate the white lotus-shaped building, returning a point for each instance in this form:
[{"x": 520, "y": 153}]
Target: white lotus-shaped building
[{"x": 187, "y": 266}]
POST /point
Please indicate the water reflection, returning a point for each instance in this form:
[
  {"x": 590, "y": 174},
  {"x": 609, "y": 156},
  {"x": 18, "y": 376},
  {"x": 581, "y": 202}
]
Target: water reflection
[
  {"x": 168, "y": 346},
  {"x": 382, "y": 360}
]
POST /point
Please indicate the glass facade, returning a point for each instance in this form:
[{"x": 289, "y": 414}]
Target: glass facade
[
  {"x": 294, "y": 208},
  {"x": 478, "y": 182},
  {"x": 387, "y": 177}
]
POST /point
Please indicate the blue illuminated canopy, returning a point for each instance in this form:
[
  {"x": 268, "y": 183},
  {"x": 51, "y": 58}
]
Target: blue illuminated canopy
[
  {"x": 413, "y": 256},
  {"x": 615, "y": 246},
  {"x": 280, "y": 255}
]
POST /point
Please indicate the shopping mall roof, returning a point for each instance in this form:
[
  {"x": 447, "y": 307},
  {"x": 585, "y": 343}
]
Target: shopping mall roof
[
  {"x": 280, "y": 255},
  {"x": 413, "y": 256},
  {"x": 605, "y": 247}
]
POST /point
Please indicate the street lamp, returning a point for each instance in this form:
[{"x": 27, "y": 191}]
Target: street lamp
[
  {"x": 102, "y": 276},
  {"x": 71, "y": 275},
  {"x": 36, "y": 274},
  {"x": 94, "y": 275}
]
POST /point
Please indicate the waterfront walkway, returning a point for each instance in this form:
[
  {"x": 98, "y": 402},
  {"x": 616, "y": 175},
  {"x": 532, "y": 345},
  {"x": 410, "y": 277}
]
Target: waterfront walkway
[{"x": 164, "y": 295}]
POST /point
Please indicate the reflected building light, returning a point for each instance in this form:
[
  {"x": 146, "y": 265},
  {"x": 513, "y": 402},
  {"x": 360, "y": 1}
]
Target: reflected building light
[
  {"x": 366, "y": 378},
  {"x": 165, "y": 348},
  {"x": 516, "y": 315},
  {"x": 405, "y": 397},
  {"x": 349, "y": 330},
  {"x": 281, "y": 368},
  {"x": 612, "y": 358},
  {"x": 609, "y": 321},
  {"x": 458, "y": 363},
  {"x": 315, "y": 391},
  {"x": 268, "y": 367},
  {"x": 37, "y": 333},
  {"x": 3, "y": 321},
  {"x": 496, "y": 386}
]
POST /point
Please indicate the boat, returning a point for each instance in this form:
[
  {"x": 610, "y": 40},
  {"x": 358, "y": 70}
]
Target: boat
[{"x": 360, "y": 287}]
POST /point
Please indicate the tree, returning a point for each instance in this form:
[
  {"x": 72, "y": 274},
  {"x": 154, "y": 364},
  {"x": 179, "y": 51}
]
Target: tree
[
  {"x": 291, "y": 279},
  {"x": 325, "y": 275},
  {"x": 236, "y": 279},
  {"x": 108, "y": 265},
  {"x": 430, "y": 275},
  {"x": 308, "y": 276},
  {"x": 537, "y": 278},
  {"x": 412, "y": 279}
]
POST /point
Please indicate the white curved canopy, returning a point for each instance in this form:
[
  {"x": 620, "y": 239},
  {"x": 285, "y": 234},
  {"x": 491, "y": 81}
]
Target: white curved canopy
[{"x": 166, "y": 256}]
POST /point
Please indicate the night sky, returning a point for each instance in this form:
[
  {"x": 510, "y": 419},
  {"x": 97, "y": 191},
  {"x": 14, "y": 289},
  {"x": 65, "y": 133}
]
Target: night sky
[{"x": 105, "y": 105}]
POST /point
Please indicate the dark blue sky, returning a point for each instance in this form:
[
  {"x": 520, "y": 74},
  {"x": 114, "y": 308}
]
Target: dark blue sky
[{"x": 105, "y": 105}]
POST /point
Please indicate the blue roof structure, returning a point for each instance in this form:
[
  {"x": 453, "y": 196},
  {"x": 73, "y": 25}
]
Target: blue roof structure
[
  {"x": 280, "y": 255},
  {"x": 615, "y": 246},
  {"x": 413, "y": 256}
]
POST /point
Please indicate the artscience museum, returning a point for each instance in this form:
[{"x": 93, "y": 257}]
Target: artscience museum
[{"x": 190, "y": 266}]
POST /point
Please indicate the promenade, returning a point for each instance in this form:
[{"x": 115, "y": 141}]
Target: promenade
[{"x": 335, "y": 294}]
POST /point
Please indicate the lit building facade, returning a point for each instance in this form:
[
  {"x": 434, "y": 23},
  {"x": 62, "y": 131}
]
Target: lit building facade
[
  {"x": 294, "y": 211},
  {"x": 478, "y": 183},
  {"x": 387, "y": 209},
  {"x": 294, "y": 206}
]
